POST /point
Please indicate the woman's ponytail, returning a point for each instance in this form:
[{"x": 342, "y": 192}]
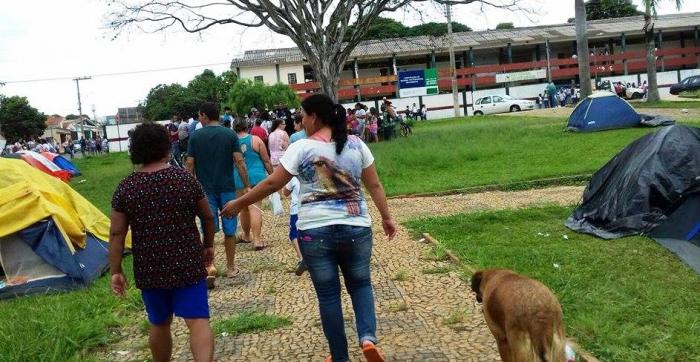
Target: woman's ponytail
[
  {"x": 339, "y": 132},
  {"x": 329, "y": 114}
]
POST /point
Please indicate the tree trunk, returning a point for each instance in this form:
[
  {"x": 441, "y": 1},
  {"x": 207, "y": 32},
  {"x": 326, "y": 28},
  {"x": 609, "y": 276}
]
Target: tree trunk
[
  {"x": 652, "y": 83},
  {"x": 584, "y": 63},
  {"x": 326, "y": 72},
  {"x": 328, "y": 79}
]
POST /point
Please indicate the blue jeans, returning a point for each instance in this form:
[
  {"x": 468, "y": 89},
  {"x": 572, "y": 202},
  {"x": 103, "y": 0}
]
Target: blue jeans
[{"x": 325, "y": 249}]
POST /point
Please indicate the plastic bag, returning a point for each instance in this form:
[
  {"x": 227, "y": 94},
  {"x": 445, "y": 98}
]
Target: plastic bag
[{"x": 276, "y": 202}]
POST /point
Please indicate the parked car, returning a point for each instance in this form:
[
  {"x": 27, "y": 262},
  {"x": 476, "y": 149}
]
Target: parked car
[
  {"x": 687, "y": 84},
  {"x": 501, "y": 104},
  {"x": 622, "y": 90}
]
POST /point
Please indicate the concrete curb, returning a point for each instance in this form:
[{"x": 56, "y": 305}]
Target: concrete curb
[{"x": 512, "y": 186}]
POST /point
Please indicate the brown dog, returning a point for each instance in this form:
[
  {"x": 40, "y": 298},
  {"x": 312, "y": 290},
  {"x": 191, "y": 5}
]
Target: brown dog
[{"x": 523, "y": 315}]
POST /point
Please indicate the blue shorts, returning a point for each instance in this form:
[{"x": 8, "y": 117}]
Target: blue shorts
[
  {"x": 216, "y": 203},
  {"x": 293, "y": 232},
  {"x": 189, "y": 302}
]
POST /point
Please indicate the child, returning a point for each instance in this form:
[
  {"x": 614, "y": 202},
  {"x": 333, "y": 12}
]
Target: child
[
  {"x": 373, "y": 126},
  {"x": 159, "y": 203},
  {"x": 292, "y": 188}
]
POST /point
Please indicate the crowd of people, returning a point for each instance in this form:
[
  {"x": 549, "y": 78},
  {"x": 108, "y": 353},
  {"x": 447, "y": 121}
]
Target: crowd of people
[
  {"x": 554, "y": 97},
  {"x": 93, "y": 146},
  {"x": 231, "y": 166}
]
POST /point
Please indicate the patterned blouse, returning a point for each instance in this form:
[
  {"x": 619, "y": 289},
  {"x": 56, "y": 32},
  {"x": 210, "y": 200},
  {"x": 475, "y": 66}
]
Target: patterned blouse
[{"x": 160, "y": 208}]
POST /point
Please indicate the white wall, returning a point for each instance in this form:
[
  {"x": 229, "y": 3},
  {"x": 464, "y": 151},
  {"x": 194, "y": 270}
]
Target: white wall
[
  {"x": 689, "y": 72},
  {"x": 118, "y": 131},
  {"x": 285, "y": 69},
  {"x": 267, "y": 71}
]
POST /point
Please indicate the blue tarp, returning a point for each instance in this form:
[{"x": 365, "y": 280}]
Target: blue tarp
[
  {"x": 64, "y": 164},
  {"x": 602, "y": 111}
]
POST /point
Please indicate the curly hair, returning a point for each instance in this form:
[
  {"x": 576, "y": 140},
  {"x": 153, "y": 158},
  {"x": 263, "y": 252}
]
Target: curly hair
[{"x": 149, "y": 143}]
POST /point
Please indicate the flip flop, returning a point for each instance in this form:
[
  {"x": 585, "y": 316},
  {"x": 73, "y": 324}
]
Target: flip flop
[
  {"x": 258, "y": 248},
  {"x": 211, "y": 282},
  {"x": 235, "y": 273},
  {"x": 240, "y": 240},
  {"x": 372, "y": 353}
]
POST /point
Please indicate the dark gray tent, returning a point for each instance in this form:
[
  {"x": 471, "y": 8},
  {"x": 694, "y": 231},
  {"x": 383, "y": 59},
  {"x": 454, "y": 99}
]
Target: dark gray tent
[{"x": 652, "y": 187}]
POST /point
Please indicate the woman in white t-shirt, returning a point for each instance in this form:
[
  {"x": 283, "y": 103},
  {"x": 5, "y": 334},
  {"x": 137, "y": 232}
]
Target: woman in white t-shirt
[{"x": 334, "y": 221}]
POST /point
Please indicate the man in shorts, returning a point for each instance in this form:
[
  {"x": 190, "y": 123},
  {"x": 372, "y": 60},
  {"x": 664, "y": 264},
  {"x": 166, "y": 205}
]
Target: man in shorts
[{"x": 212, "y": 152}]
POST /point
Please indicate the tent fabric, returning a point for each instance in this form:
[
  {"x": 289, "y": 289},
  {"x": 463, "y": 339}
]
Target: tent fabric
[
  {"x": 38, "y": 260},
  {"x": 62, "y": 163},
  {"x": 636, "y": 190},
  {"x": 42, "y": 163},
  {"x": 655, "y": 121},
  {"x": 28, "y": 195},
  {"x": 680, "y": 232},
  {"x": 51, "y": 238},
  {"x": 602, "y": 111}
]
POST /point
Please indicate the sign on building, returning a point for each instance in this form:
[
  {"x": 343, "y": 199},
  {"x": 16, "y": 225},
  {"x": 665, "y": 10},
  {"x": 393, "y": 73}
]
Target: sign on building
[
  {"x": 414, "y": 83},
  {"x": 521, "y": 76}
]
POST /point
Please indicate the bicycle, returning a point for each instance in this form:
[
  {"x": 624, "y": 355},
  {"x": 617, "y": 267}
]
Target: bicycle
[{"x": 405, "y": 128}]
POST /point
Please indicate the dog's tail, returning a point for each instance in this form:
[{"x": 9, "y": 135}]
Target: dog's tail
[
  {"x": 557, "y": 347},
  {"x": 582, "y": 355}
]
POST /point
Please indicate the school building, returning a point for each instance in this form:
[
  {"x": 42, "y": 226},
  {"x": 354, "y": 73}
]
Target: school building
[{"x": 371, "y": 72}]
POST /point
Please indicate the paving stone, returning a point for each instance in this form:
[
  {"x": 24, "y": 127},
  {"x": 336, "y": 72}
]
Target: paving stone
[{"x": 418, "y": 333}]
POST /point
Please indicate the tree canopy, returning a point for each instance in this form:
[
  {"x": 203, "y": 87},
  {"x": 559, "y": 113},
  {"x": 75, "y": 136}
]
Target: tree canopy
[
  {"x": 606, "y": 9},
  {"x": 164, "y": 100},
  {"x": 505, "y": 26},
  {"x": 321, "y": 29},
  {"x": 19, "y": 120},
  {"x": 246, "y": 94},
  {"x": 385, "y": 28}
]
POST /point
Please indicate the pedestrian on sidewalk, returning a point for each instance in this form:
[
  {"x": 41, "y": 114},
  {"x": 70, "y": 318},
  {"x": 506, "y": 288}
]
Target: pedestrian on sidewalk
[
  {"x": 212, "y": 153},
  {"x": 159, "y": 203},
  {"x": 256, "y": 162},
  {"x": 334, "y": 223},
  {"x": 291, "y": 190}
]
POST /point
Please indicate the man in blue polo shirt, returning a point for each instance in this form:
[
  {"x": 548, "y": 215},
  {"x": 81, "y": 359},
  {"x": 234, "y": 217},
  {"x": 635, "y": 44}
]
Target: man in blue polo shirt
[{"x": 212, "y": 152}]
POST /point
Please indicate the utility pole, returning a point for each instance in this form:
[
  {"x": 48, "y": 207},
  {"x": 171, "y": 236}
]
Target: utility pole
[
  {"x": 80, "y": 106},
  {"x": 453, "y": 70}
]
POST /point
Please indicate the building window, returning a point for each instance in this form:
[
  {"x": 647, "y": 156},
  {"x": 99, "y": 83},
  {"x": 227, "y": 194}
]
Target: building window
[
  {"x": 258, "y": 78},
  {"x": 291, "y": 78}
]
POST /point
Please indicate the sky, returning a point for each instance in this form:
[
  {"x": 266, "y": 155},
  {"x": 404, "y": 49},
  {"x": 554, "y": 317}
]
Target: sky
[{"x": 44, "y": 44}]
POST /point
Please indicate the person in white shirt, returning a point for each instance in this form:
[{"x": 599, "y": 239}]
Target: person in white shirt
[
  {"x": 423, "y": 113},
  {"x": 292, "y": 189},
  {"x": 334, "y": 222}
]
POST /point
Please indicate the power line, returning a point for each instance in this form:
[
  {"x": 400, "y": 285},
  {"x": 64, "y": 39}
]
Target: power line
[{"x": 113, "y": 74}]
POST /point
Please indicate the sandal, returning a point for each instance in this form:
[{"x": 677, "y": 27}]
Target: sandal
[
  {"x": 233, "y": 274},
  {"x": 260, "y": 247},
  {"x": 371, "y": 352},
  {"x": 211, "y": 282},
  {"x": 240, "y": 240}
]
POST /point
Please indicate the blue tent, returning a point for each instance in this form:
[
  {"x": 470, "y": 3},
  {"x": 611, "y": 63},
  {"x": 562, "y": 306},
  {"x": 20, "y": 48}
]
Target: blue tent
[
  {"x": 40, "y": 260},
  {"x": 601, "y": 111}
]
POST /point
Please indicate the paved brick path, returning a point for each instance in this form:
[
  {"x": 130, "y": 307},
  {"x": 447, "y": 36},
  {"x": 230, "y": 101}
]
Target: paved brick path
[{"x": 416, "y": 316}]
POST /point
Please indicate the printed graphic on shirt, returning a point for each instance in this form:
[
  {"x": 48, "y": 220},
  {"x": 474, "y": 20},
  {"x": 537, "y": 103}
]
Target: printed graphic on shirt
[
  {"x": 337, "y": 184},
  {"x": 330, "y": 191}
]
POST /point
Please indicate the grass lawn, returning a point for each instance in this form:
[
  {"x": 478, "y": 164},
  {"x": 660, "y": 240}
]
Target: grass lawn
[
  {"x": 624, "y": 300},
  {"x": 63, "y": 327},
  {"x": 477, "y": 151},
  {"x": 667, "y": 104}
]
